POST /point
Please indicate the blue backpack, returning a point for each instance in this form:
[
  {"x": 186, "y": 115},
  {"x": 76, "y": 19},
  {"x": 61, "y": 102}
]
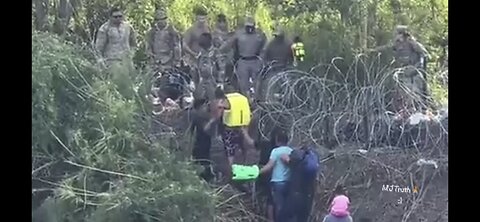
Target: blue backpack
[{"x": 311, "y": 164}]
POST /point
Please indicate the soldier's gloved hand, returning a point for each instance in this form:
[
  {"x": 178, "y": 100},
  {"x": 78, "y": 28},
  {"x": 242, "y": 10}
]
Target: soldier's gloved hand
[
  {"x": 422, "y": 62},
  {"x": 178, "y": 64}
]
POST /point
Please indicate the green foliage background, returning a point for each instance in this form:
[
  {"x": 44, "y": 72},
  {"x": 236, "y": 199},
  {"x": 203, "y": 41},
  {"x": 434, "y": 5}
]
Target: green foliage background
[{"x": 89, "y": 149}]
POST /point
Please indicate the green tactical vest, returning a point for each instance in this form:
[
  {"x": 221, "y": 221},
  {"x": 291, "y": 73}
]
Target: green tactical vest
[{"x": 298, "y": 50}]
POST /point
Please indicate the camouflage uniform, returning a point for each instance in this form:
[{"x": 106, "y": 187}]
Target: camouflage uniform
[
  {"x": 248, "y": 46},
  {"x": 408, "y": 51},
  {"x": 411, "y": 55},
  {"x": 114, "y": 45},
  {"x": 220, "y": 38},
  {"x": 163, "y": 43},
  {"x": 190, "y": 43},
  {"x": 209, "y": 63}
]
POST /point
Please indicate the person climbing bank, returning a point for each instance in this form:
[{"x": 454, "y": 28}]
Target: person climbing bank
[
  {"x": 233, "y": 109},
  {"x": 209, "y": 66},
  {"x": 280, "y": 174},
  {"x": 202, "y": 140},
  {"x": 304, "y": 165}
]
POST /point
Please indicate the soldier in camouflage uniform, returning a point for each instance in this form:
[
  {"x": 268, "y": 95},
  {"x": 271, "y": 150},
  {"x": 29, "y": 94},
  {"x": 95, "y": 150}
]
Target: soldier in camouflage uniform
[
  {"x": 407, "y": 51},
  {"x": 410, "y": 55},
  {"x": 220, "y": 37},
  {"x": 163, "y": 43},
  {"x": 209, "y": 63},
  {"x": 191, "y": 38},
  {"x": 115, "y": 43}
]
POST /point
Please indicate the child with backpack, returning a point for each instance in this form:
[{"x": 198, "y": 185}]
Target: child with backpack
[{"x": 339, "y": 208}]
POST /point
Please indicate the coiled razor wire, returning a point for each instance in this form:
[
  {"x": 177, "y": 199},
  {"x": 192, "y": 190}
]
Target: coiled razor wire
[
  {"x": 328, "y": 106},
  {"x": 318, "y": 107}
]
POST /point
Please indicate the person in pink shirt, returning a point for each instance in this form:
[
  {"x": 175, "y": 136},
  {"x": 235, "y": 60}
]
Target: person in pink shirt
[{"x": 339, "y": 207}]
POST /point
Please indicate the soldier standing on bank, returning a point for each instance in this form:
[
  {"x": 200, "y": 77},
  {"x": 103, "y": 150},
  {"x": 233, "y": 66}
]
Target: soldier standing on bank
[
  {"x": 411, "y": 55},
  {"x": 115, "y": 39},
  {"x": 248, "y": 45},
  {"x": 163, "y": 43},
  {"x": 220, "y": 37},
  {"x": 191, "y": 38},
  {"x": 115, "y": 43},
  {"x": 278, "y": 54},
  {"x": 407, "y": 50}
]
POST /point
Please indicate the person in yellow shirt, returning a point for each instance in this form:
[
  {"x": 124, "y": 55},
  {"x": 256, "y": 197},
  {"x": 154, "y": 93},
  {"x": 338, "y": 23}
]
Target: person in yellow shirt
[{"x": 232, "y": 109}]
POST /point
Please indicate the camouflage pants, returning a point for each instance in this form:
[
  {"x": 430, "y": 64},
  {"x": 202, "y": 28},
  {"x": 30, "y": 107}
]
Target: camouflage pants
[
  {"x": 121, "y": 72},
  {"x": 414, "y": 88},
  {"x": 205, "y": 89}
]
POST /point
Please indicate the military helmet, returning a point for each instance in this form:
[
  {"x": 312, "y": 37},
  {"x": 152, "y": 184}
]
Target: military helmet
[
  {"x": 160, "y": 14},
  {"x": 278, "y": 31},
  {"x": 401, "y": 29},
  {"x": 249, "y": 21}
]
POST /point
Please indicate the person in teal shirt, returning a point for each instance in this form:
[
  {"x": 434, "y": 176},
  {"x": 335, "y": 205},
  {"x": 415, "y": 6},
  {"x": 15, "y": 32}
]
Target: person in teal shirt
[{"x": 280, "y": 172}]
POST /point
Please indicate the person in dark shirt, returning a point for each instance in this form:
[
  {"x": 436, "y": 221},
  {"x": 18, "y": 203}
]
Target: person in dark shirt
[
  {"x": 263, "y": 182},
  {"x": 300, "y": 198},
  {"x": 203, "y": 139}
]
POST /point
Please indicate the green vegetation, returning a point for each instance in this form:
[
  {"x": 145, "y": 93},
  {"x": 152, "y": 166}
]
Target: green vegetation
[
  {"x": 104, "y": 169},
  {"x": 89, "y": 146}
]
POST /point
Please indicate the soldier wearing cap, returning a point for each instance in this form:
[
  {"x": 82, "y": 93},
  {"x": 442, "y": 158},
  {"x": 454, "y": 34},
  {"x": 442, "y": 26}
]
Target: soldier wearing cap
[
  {"x": 115, "y": 44},
  {"x": 278, "y": 49},
  {"x": 248, "y": 44},
  {"x": 411, "y": 55},
  {"x": 407, "y": 50},
  {"x": 116, "y": 38},
  {"x": 163, "y": 43}
]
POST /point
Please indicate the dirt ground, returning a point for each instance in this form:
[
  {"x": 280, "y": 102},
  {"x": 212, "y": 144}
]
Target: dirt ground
[{"x": 364, "y": 175}]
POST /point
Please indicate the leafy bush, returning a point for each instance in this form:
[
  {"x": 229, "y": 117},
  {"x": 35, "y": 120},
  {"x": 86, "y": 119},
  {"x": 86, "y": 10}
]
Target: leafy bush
[
  {"x": 108, "y": 170},
  {"x": 84, "y": 133}
]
